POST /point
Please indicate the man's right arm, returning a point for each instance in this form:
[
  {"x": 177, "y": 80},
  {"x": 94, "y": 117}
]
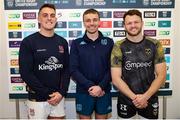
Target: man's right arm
[
  {"x": 116, "y": 71},
  {"x": 120, "y": 84},
  {"x": 74, "y": 68},
  {"x": 26, "y": 70}
]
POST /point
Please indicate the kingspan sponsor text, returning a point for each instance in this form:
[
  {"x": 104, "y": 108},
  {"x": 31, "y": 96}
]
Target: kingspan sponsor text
[{"x": 50, "y": 67}]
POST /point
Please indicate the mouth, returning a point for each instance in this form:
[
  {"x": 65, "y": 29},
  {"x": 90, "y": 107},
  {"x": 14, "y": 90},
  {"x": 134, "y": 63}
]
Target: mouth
[
  {"x": 134, "y": 29},
  {"x": 49, "y": 23},
  {"x": 92, "y": 27}
]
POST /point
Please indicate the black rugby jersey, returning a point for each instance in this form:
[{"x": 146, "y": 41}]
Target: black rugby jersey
[{"x": 137, "y": 61}]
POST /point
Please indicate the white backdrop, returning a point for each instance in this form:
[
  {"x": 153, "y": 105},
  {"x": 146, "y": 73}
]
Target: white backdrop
[{"x": 8, "y": 106}]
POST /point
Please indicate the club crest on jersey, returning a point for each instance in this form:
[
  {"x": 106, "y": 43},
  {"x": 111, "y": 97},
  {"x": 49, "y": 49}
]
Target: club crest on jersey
[
  {"x": 61, "y": 49},
  {"x": 104, "y": 41},
  {"x": 32, "y": 112},
  {"x": 148, "y": 51}
]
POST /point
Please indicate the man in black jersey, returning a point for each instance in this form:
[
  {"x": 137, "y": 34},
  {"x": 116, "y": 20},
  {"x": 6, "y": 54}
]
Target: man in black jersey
[
  {"x": 44, "y": 67},
  {"x": 138, "y": 70}
]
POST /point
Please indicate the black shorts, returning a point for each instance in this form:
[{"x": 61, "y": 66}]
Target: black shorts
[{"x": 126, "y": 110}]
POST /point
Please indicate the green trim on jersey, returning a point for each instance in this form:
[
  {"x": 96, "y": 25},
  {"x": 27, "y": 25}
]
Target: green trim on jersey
[{"x": 116, "y": 55}]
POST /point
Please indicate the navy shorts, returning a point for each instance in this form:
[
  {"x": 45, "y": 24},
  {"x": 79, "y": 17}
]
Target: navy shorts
[
  {"x": 86, "y": 104},
  {"x": 127, "y": 111}
]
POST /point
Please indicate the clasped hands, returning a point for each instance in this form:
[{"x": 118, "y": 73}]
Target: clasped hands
[
  {"x": 96, "y": 91},
  {"x": 140, "y": 101},
  {"x": 56, "y": 97}
]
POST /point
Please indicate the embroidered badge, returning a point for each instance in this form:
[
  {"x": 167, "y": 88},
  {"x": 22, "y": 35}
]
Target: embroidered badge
[
  {"x": 61, "y": 49},
  {"x": 104, "y": 41},
  {"x": 148, "y": 51}
]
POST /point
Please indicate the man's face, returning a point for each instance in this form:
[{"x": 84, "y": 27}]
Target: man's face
[
  {"x": 47, "y": 19},
  {"x": 91, "y": 23},
  {"x": 133, "y": 25}
]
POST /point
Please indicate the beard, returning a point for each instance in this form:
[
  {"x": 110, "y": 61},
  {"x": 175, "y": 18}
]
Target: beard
[{"x": 134, "y": 34}]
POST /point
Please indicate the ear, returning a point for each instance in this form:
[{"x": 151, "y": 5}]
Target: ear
[{"x": 38, "y": 19}]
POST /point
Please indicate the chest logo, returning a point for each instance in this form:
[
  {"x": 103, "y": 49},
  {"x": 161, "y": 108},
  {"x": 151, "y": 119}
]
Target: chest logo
[
  {"x": 128, "y": 52},
  {"x": 51, "y": 64},
  {"x": 104, "y": 41},
  {"x": 52, "y": 60},
  {"x": 148, "y": 51},
  {"x": 61, "y": 49},
  {"x": 82, "y": 43}
]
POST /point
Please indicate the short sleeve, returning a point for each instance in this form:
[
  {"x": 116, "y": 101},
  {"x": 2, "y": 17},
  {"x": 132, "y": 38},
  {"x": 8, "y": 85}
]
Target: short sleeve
[
  {"x": 116, "y": 55},
  {"x": 159, "y": 57}
]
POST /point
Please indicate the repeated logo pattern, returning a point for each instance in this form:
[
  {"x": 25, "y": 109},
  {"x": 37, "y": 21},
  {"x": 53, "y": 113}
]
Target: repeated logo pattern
[{"x": 157, "y": 24}]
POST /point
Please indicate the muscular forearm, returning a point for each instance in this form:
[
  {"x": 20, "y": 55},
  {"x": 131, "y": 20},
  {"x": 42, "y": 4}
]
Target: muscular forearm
[
  {"x": 160, "y": 70},
  {"x": 123, "y": 87},
  {"x": 156, "y": 84}
]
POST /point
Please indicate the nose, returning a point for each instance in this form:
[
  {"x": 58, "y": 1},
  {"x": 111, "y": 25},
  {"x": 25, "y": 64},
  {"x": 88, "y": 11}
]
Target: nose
[
  {"x": 49, "y": 17},
  {"x": 133, "y": 24},
  {"x": 91, "y": 22}
]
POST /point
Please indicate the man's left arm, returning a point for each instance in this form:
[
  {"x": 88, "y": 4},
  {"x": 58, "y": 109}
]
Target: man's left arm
[
  {"x": 160, "y": 70},
  {"x": 57, "y": 96},
  {"x": 107, "y": 76},
  {"x": 65, "y": 75}
]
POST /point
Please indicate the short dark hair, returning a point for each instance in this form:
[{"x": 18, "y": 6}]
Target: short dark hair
[
  {"x": 47, "y": 5},
  {"x": 91, "y": 11},
  {"x": 132, "y": 12}
]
